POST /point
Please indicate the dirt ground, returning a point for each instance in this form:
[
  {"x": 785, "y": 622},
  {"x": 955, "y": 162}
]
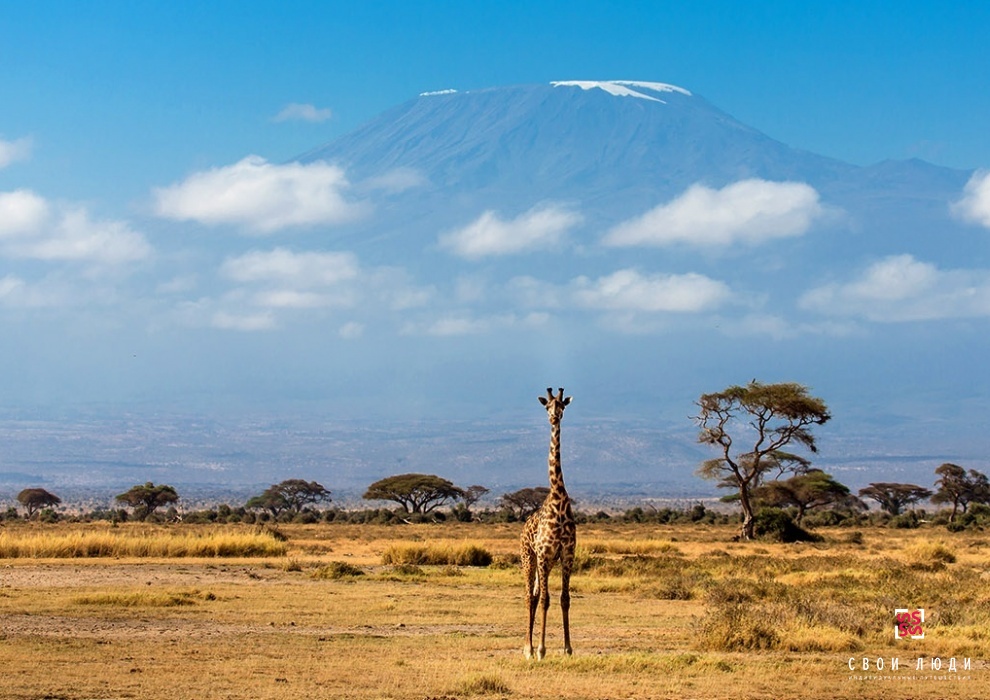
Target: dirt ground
[{"x": 188, "y": 629}]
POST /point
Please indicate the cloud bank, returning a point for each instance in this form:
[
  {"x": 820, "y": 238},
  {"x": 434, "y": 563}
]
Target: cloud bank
[
  {"x": 900, "y": 288},
  {"x": 750, "y": 211},
  {"x": 539, "y": 228},
  {"x": 974, "y": 206},
  {"x": 32, "y": 228},
  {"x": 629, "y": 290},
  {"x": 260, "y": 196}
]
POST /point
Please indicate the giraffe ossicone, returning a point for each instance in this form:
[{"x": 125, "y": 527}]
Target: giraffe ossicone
[{"x": 549, "y": 536}]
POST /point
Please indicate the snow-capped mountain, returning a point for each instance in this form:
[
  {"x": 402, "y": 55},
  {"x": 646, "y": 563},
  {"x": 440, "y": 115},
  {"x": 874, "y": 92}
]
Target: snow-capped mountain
[
  {"x": 672, "y": 249},
  {"x": 414, "y": 285}
]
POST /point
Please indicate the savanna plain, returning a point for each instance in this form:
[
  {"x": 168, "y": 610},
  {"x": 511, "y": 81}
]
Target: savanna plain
[{"x": 341, "y": 610}]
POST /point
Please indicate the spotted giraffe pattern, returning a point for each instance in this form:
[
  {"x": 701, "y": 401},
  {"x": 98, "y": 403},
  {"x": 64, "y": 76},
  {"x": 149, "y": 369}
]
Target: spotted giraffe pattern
[{"x": 550, "y": 535}]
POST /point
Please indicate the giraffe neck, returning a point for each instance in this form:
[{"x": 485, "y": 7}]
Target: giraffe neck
[{"x": 553, "y": 462}]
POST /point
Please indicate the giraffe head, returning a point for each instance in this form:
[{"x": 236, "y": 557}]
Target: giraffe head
[{"x": 555, "y": 405}]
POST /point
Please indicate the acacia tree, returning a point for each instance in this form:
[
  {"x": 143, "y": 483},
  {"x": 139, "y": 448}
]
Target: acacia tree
[
  {"x": 473, "y": 494},
  {"x": 525, "y": 502},
  {"x": 812, "y": 489},
  {"x": 416, "y": 493},
  {"x": 960, "y": 489},
  {"x": 147, "y": 498},
  {"x": 36, "y": 499},
  {"x": 894, "y": 497},
  {"x": 772, "y": 416},
  {"x": 291, "y": 495}
]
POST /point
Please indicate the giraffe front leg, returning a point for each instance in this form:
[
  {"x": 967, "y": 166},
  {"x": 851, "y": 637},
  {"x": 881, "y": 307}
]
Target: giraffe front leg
[{"x": 544, "y": 580}]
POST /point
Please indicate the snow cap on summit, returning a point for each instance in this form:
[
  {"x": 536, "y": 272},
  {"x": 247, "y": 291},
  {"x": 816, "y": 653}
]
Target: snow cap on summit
[{"x": 623, "y": 88}]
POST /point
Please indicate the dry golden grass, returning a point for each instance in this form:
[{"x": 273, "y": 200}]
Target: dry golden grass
[
  {"x": 135, "y": 541},
  {"x": 657, "y": 611}
]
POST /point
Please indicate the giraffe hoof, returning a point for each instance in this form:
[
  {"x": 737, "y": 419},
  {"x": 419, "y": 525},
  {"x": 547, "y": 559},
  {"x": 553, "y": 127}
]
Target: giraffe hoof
[
  {"x": 540, "y": 653},
  {"x": 528, "y": 651},
  {"x": 568, "y": 651}
]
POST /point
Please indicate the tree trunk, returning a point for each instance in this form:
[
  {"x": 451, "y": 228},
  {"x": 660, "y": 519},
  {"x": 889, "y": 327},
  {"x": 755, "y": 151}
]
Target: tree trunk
[{"x": 748, "y": 531}]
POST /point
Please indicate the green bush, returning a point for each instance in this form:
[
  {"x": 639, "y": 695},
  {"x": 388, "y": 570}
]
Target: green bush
[{"x": 777, "y": 525}]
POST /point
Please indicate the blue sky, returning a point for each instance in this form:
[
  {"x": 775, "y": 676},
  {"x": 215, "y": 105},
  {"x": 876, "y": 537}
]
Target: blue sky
[{"x": 106, "y": 107}]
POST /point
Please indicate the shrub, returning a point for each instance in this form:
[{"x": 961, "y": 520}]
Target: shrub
[
  {"x": 435, "y": 555},
  {"x": 909, "y": 520},
  {"x": 930, "y": 556},
  {"x": 777, "y": 525},
  {"x": 337, "y": 570}
]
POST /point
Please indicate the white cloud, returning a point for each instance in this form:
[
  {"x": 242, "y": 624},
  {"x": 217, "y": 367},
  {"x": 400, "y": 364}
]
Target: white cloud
[
  {"x": 463, "y": 323},
  {"x": 394, "y": 181},
  {"x": 282, "y": 281},
  {"x": 749, "y": 211},
  {"x": 900, "y": 288},
  {"x": 295, "y": 299},
  {"x": 280, "y": 265},
  {"x": 55, "y": 290},
  {"x": 13, "y": 151},
  {"x": 31, "y": 228},
  {"x": 290, "y": 280},
  {"x": 260, "y": 196},
  {"x": 352, "y": 330},
  {"x": 778, "y": 328},
  {"x": 974, "y": 206},
  {"x": 295, "y": 111},
  {"x": 77, "y": 237},
  {"x": 21, "y": 212},
  {"x": 539, "y": 228},
  {"x": 224, "y": 320},
  {"x": 628, "y": 290}
]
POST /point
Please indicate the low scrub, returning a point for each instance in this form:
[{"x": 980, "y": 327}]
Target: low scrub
[
  {"x": 143, "y": 599},
  {"x": 436, "y": 555},
  {"x": 930, "y": 556},
  {"x": 337, "y": 570}
]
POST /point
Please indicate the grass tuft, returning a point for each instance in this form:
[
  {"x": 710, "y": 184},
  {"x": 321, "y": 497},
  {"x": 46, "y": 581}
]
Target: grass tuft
[
  {"x": 436, "y": 555},
  {"x": 484, "y": 684}
]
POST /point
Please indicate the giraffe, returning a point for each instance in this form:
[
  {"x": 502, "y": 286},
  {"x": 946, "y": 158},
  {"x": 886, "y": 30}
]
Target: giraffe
[{"x": 550, "y": 534}]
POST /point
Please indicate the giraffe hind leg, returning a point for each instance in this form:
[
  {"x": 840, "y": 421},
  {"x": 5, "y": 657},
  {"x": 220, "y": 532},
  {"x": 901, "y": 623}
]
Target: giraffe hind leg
[
  {"x": 543, "y": 573},
  {"x": 565, "y": 599}
]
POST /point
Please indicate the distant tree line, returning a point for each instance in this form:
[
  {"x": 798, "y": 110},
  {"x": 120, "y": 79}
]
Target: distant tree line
[{"x": 779, "y": 493}]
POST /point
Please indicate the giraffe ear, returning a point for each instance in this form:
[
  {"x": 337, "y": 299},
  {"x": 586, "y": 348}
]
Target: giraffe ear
[
  {"x": 543, "y": 400},
  {"x": 567, "y": 400}
]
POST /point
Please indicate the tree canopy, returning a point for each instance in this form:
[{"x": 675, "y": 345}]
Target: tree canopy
[
  {"x": 525, "y": 502},
  {"x": 960, "y": 488},
  {"x": 291, "y": 496},
  {"x": 36, "y": 499},
  {"x": 416, "y": 493},
  {"x": 893, "y": 497},
  {"x": 772, "y": 416},
  {"x": 473, "y": 494},
  {"x": 147, "y": 498},
  {"x": 806, "y": 491}
]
